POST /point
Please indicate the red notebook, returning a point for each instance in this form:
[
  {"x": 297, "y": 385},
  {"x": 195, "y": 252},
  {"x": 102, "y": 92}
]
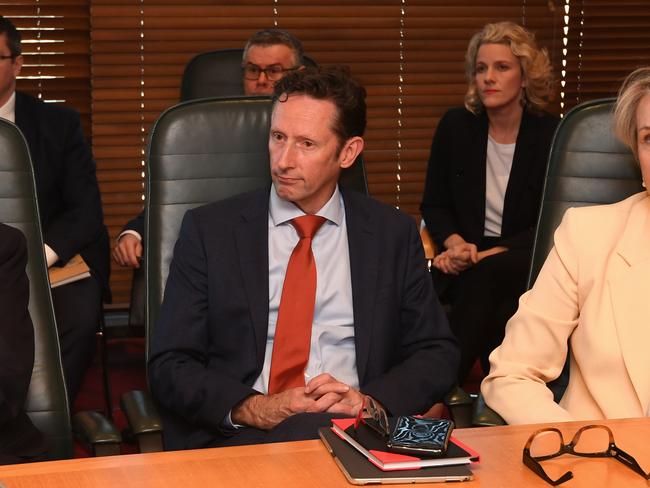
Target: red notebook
[{"x": 373, "y": 448}]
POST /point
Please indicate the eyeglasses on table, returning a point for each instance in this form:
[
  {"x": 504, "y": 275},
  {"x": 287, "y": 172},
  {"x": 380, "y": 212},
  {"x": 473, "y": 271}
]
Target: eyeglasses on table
[{"x": 595, "y": 441}]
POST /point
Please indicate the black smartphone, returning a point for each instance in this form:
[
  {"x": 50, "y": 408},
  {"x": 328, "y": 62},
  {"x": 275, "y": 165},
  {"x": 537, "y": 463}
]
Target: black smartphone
[{"x": 419, "y": 436}]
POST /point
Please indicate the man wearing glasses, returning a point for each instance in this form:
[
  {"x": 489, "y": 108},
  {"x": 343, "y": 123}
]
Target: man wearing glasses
[{"x": 268, "y": 55}]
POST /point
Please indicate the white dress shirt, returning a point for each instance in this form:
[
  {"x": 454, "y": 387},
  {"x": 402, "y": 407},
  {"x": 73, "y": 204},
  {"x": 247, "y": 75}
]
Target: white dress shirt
[{"x": 332, "y": 339}]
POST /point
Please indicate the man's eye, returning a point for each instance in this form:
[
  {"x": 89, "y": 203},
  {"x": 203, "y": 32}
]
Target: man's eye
[
  {"x": 275, "y": 69},
  {"x": 253, "y": 70},
  {"x": 276, "y": 136}
]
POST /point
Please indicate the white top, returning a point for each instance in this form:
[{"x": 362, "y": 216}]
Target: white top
[{"x": 497, "y": 172}]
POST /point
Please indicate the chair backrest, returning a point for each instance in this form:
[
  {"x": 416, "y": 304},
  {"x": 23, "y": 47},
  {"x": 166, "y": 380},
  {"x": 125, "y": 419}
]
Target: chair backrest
[
  {"x": 587, "y": 165},
  {"x": 216, "y": 74},
  {"x": 47, "y": 401},
  {"x": 203, "y": 151}
]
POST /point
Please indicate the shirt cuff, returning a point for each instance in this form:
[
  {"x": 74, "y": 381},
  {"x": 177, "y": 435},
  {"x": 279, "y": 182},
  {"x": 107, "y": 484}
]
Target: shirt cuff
[
  {"x": 50, "y": 256},
  {"x": 227, "y": 423},
  {"x": 129, "y": 231}
]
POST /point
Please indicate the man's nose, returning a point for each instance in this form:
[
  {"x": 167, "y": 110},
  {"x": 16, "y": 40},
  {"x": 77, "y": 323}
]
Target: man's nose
[
  {"x": 284, "y": 157},
  {"x": 262, "y": 78}
]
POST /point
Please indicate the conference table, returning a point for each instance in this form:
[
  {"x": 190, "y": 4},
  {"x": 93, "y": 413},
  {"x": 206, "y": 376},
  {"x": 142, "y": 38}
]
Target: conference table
[{"x": 309, "y": 464}]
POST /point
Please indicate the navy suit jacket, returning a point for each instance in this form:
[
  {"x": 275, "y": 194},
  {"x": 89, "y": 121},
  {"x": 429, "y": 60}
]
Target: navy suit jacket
[
  {"x": 209, "y": 343},
  {"x": 19, "y": 439},
  {"x": 454, "y": 193},
  {"x": 69, "y": 201}
]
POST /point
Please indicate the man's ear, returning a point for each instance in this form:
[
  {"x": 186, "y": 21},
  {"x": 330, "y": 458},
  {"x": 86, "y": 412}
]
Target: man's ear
[
  {"x": 17, "y": 65},
  {"x": 351, "y": 149}
]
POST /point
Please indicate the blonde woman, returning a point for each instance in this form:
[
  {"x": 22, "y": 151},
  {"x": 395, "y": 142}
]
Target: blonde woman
[
  {"x": 593, "y": 291},
  {"x": 484, "y": 185}
]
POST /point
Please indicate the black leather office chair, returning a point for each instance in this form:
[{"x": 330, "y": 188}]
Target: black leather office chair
[
  {"x": 47, "y": 401},
  {"x": 587, "y": 166},
  {"x": 216, "y": 74},
  {"x": 200, "y": 151}
]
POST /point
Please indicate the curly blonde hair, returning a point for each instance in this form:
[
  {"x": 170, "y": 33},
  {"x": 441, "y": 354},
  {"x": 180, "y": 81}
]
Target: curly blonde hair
[
  {"x": 535, "y": 64},
  {"x": 634, "y": 88}
]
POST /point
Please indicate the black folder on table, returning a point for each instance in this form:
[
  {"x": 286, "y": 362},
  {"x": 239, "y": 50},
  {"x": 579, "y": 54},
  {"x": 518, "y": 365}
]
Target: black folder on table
[{"x": 359, "y": 471}]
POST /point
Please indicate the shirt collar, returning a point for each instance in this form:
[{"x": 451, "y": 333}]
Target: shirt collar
[
  {"x": 281, "y": 211},
  {"x": 8, "y": 110}
]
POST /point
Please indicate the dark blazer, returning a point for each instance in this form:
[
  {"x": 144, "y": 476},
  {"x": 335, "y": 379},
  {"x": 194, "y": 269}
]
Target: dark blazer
[
  {"x": 136, "y": 224},
  {"x": 19, "y": 439},
  {"x": 454, "y": 193},
  {"x": 209, "y": 343},
  {"x": 69, "y": 201}
]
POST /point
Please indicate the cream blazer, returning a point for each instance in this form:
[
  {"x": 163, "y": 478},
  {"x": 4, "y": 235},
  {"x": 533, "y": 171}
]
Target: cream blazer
[{"x": 594, "y": 291}]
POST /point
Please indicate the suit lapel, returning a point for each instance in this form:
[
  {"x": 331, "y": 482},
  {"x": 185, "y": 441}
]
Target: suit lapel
[
  {"x": 364, "y": 270},
  {"x": 475, "y": 171},
  {"x": 629, "y": 289},
  {"x": 252, "y": 238},
  {"x": 521, "y": 170},
  {"x": 26, "y": 121}
]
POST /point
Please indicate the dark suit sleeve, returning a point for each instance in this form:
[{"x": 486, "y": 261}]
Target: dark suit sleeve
[
  {"x": 436, "y": 207},
  {"x": 426, "y": 359},
  {"x": 136, "y": 224},
  {"x": 183, "y": 378},
  {"x": 16, "y": 332},
  {"x": 520, "y": 240},
  {"x": 80, "y": 223}
]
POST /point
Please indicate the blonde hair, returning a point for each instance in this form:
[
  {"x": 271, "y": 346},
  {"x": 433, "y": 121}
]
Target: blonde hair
[
  {"x": 634, "y": 88},
  {"x": 535, "y": 65}
]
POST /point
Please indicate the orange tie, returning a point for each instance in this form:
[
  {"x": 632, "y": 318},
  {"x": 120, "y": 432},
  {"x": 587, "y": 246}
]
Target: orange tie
[{"x": 291, "y": 343}]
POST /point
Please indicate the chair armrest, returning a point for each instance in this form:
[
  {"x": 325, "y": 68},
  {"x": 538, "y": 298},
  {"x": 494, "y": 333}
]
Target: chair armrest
[
  {"x": 96, "y": 432},
  {"x": 484, "y": 416},
  {"x": 460, "y": 403},
  {"x": 144, "y": 420},
  {"x": 427, "y": 243}
]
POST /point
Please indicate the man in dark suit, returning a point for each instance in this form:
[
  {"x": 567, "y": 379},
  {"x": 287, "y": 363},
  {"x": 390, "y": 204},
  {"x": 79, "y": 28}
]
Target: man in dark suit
[
  {"x": 268, "y": 55},
  {"x": 377, "y": 328},
  {"x": 69, "y": 206},
  {"x": 20, "y": 441}
]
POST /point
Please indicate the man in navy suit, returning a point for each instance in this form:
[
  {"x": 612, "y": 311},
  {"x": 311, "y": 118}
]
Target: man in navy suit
[
  {"x": 377, "y": 328},
  {"x": 20, "y": 441},
  {"x": 69, "y": 205}
]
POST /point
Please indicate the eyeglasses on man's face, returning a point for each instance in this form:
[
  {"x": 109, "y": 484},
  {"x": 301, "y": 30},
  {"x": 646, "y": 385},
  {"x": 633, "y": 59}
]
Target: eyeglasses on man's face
[
  {"x": 589, "y": 441},
  {"x": 274, "y": 72}
]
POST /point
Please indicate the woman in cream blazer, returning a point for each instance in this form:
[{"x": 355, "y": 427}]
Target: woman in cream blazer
[{"x": 594, "y": 292}]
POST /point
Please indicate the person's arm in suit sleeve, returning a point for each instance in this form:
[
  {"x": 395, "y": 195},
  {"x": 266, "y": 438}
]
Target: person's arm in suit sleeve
[
  {"x": 81, "y": 222},
  {"x": 16, "y": 332},
  {"x": 183, "y": 379},
  {"x": 535, "y": 346},
  {"x": 426, "y": 360},
  {"x": 437, "y": 201}
]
